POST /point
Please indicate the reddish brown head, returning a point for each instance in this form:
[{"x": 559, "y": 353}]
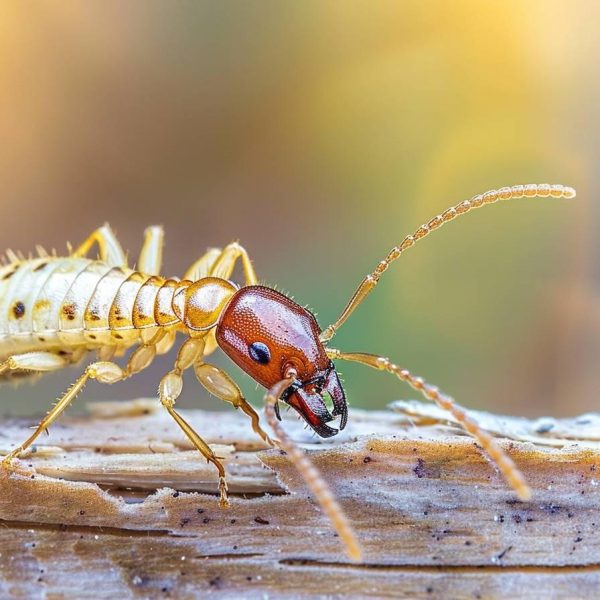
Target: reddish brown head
[{"x": 265, "y": 333}]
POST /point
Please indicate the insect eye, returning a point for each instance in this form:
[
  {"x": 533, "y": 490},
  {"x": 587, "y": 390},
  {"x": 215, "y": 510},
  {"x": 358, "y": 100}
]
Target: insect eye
[{"x": 259, "y": 352}]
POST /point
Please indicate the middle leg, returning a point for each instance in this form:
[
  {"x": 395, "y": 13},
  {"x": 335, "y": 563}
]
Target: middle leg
[{"x": 170, "y": 388}]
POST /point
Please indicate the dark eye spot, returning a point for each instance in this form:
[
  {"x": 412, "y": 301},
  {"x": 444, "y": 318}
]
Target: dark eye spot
[{"x": 259, "y": 352}]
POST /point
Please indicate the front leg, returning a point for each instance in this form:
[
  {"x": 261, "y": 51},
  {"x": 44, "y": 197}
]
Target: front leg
[
  {"x": 218, "y": 383},
  {"x": 221, "y": 263}
]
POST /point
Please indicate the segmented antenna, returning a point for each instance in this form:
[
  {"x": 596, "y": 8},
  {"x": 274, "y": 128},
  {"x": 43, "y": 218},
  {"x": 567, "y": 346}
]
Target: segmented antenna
[
  {"x": 542, "y": 190},
  {"x": 310, "y": 473}
]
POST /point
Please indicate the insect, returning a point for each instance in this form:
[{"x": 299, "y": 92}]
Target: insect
[{"x": 54, "y": 310}]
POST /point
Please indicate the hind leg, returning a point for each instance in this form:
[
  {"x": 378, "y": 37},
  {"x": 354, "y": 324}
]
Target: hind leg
[
  {"x": 104, "y": 372},
  {"x": 34, "y": 361},
  {"x": 101, "y": 371}
]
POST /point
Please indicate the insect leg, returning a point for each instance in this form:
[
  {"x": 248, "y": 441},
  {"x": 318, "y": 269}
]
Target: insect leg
[
  {"x": 166, "y": 343},
  {"x": 34, "y": 361},
  {"x": 221, "y": 263},
  {"x": 145, "y": 353},
  {"x": 367, "y": 285},
  {"x": 225, "y": 263},
  {"x": 104, "y": 372},
  {"x": 169, "y": 390},
  {"x": 507, "y": 467},
  {"x": 110, "y": 250},
  {"x": 201, "y": 268},
  {"x": 150, "y": 261},
  {"x": 218, "y": 383}
]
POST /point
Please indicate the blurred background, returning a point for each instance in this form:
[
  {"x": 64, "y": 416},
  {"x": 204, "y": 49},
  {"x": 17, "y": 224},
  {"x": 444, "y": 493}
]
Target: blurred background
[{"x": 319, "y": 134}]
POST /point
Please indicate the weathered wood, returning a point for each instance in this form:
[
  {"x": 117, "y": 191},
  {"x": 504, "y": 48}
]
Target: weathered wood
[{"x": 116, "y": 504}]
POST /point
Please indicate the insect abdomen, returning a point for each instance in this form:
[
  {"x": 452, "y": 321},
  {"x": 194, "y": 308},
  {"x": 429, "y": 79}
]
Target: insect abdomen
[
  {"x": 31, "y": 292},
  {"x": 142, "y": 302},
  {"x": 68, "y": 302}
]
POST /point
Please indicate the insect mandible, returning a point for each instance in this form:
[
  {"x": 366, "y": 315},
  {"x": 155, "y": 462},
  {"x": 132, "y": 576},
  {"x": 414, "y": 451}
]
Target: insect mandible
[{"x": 54, "y": 310}]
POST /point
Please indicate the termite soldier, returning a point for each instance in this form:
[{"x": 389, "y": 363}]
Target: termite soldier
[{"x": 54, "y": 310}]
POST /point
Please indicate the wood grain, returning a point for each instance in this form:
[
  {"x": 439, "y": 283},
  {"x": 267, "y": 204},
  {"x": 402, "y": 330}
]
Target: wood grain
[{"x": 117, "y": 505}]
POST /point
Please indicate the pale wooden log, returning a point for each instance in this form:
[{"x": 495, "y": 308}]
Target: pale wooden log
[{"x": 117, "y": 505}]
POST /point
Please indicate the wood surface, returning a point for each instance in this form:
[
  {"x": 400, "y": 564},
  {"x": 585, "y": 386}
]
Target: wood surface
[{"x": 116, "y": 504}]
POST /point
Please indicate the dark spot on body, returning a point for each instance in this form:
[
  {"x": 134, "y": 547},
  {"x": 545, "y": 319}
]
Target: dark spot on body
[
  {"x": 117, "y": 336},
  {"x": 367, "y": 460},
  {"x": 8, "y": 275},
  {"x": 206, "y": 520},
  {"x": 69, "y": 311},
  {"x": 92, "y": 336},
  {"x": 261, "y": 521},
  {"x": 94, "y": 316},
  {"x": 18, "y": 309},
  {"x": 40, "y": 266}
]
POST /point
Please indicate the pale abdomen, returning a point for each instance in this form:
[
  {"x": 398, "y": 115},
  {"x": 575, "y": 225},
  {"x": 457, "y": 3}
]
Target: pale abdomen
[{"x": 72, "y": 303}]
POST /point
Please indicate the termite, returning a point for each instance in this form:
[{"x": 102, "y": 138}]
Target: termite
[{"x": 53, "y": 310}]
